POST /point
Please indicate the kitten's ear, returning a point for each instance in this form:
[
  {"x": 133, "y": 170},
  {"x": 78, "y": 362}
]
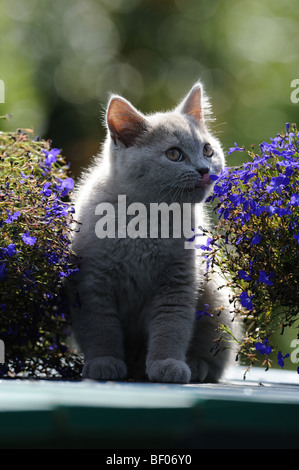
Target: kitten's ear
[
  {"x": 192, "y": 105},
  {"x": 124, "y": 122}
]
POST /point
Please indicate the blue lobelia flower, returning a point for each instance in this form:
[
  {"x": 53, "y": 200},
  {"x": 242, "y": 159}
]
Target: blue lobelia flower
[
  {"x": 65, "y": 186},
  {"x": 12, "y": 217},
  {"x": 52, "y": 257},
  {"x": 278, "y": 183},
  {"x": 280, "y": 211},
  {"x": 201, "y": 313},
  {"x": 246, "y": 301},
  {"x": 214, "y": 177},
  {"x": 235, "y": 149},
  {"x": 206, "y": 247},
  {"x": 67, "y": 272},
  {"x": 263, "y": 348},
  {"x": 243, "y": 275},
  {"x": 256, "y": 239},
  {"x": 46, "y": 191},
  {"x": 281, "y": 358},
  {"x": 265, "y": 278},
  {"x": 51, "y": 156},
  {"x": 10, "y": 250},
  {"x": 27, "y": 239},
  {"x": 294, "y": 200}
]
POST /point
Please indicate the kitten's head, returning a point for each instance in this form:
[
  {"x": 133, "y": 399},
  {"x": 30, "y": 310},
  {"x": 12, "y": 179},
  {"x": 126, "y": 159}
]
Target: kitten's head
[{"x": 164, "y": 156}]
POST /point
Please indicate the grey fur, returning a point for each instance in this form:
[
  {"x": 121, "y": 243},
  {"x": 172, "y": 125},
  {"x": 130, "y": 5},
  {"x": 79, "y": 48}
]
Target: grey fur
[{"x": 138, "y": 297}]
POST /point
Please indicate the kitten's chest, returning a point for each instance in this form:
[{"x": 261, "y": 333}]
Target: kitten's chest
[
  {"x": 143, "y": 260},
  {"x": 143, "y": 266}
]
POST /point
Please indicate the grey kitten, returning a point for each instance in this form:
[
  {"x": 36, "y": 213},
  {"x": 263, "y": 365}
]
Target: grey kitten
[{"x": 137, "y": 296}]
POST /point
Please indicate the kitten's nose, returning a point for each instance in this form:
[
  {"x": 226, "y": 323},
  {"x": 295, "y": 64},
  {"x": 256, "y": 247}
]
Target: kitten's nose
[{"x": 202, "y": 171}]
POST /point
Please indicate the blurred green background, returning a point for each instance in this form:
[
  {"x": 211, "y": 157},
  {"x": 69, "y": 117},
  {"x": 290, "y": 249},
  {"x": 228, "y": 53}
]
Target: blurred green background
[{"x": 59, "y": 59}]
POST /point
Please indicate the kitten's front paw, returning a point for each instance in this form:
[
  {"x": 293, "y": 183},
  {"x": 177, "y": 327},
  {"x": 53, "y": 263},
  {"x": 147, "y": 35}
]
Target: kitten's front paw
[
  {"x": 104, "y": 368},
  {"x": 168, "y": 370},
  {"x": 199, "y": 370},
  {"x": 202, "y": 372}
]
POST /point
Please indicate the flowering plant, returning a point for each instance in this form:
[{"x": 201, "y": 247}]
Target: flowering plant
[
  {"x": 257, "y": 241},
  {"x": 35, "y": 220}
]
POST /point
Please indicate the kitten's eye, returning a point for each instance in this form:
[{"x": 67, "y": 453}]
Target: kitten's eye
[
  {"x": 174, "y": 154},
  {"x": 208, "y": 150}
]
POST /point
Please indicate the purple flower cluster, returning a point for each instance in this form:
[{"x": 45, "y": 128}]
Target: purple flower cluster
[
  {"x": 265, "y": 349},
  {"x": 257, "y": 244},
  {"x": 252, "y": 190},
  {"x": 35, "y": 221},
  {"x": 50, "y": 157}
]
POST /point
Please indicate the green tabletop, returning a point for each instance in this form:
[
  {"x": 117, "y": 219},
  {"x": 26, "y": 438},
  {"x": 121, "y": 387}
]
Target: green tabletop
[{"x": 262, "y": 411}]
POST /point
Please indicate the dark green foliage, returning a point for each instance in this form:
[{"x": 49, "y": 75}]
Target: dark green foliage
[{"x": 35, "y": 221}]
